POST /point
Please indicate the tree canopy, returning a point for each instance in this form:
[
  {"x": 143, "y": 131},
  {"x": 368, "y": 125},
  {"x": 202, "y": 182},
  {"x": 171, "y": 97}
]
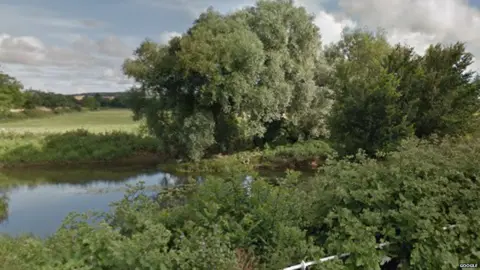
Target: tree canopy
[
  {"x": 385, "y": 93},
  {"x": 10, "y": 93},
  {"x": 231, "y": 78},
  {"x": 260, "y": 75}
]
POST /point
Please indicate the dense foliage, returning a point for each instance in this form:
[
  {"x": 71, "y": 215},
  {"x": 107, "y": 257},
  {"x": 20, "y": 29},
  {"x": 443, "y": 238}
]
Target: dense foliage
[
  {"x": 385, "y": 93},
  {"x": 230, "y": 79},
  {"x": 49, "y": 100},
  {"x": 55, "y": 101},
  {"x": 259, "y": 75},
  {"x": 227, "y": 223},
  {"x": 10, "y": 93},
  {"x": 305, "y": 156},
  {"x": 3, "y": 207}
]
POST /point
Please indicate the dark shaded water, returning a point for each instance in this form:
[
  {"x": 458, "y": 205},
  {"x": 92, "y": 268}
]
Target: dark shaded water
[{"x": 39, "y": 200}]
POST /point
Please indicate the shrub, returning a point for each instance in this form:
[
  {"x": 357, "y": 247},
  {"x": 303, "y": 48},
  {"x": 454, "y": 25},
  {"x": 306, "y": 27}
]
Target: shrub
[{"x": 406, "y": 199}]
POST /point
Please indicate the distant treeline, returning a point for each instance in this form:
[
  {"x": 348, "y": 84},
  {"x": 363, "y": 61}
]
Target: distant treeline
[
  {"x": 93, "y": 101},
  {"x": 16, "y": 103}
]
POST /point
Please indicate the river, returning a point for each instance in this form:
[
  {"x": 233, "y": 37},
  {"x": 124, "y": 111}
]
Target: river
[{"x": 39, "y": 200}]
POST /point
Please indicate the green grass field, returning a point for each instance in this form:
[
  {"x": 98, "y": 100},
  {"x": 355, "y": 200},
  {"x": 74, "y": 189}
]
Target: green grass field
[
  {"x": 96, "y": 121},
  {"x": 106, "y": 136}
]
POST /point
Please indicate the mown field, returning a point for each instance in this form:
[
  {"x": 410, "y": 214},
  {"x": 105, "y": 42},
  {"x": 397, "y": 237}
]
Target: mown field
[{"x": 93, "y": 121}]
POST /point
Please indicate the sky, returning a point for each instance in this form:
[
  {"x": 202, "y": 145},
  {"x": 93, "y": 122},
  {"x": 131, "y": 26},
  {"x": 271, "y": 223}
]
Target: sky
[{"x": 76, "y": 46}]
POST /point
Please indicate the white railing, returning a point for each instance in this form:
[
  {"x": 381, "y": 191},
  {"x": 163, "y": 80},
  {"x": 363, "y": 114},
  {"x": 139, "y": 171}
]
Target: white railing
[{"x": 303, "y": 265}]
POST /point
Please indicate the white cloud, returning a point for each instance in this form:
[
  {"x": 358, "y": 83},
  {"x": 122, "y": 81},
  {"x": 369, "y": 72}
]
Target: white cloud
[
  {"x": 330, "y": 27},
  {"x": 113, "y": 46},
  {"x": 166, "y": 36},
  {"x": 420, "y": 22},
  {"x": 195, "y": 7},
  {"x": 115, "y": 75},
  {"x": 29, "y": 50},
  {"x": 53, "y": 51},
  {"x": 92, "y": 65}
]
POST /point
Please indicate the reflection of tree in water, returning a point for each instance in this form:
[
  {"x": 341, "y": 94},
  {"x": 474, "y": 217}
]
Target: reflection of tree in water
[
  {"x": 172, "y": 187},
  {"x": 81, "y": 177},
  {"x": 169, "y": 180},
  {"x": 3, "y": 207}
]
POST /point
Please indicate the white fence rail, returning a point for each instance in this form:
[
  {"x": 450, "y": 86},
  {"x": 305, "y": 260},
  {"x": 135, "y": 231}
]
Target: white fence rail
[{"x": 303, "y": 265}]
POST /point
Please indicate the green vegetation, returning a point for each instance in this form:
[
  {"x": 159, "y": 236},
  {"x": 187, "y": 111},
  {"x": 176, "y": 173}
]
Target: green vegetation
[
  {"x": 10, "y": 94},
  {"x": 33, "y": 113},
  {"x": 96, "y": 121},
  {"x": 405, "y": 199},
  {"x": 255, "y": 88},
  {"x": 300, "y": 156},
  {"x": 232, "y": 82},
  {"x": 16, "y": 104},
  {"x": 238, "y": 81},
  {"x": 384, "y": 94},
  {"x": 78, "y": 146},
  {"x": 95, "y": 137},
  {"x": 3, "y": 207},
  {"x": 55, "y": 101},
  {"x": 52, "y": 101}
]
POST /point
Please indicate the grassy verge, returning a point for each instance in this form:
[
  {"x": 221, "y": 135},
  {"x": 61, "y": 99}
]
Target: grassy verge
[{"x": 76, "y": 147}]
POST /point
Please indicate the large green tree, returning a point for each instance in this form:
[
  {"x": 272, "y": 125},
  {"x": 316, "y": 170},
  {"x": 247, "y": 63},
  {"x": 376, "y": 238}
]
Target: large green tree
[
  {"x": 385, "y": 93},
  {"x": 366, "y": 112},
  {"x": 446, "y": 94},
  {"x": 11, "y": 95},
  {"x": 231, "y": 78},
  {"x": 91, "y": 103}
]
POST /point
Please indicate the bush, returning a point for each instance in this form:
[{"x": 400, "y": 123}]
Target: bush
[
  {"x": 298, "y": 155},
  {"x": 406, "y": 199}
]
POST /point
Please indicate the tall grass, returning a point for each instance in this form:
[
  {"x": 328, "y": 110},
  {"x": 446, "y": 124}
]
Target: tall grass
[{"x": 74, "y": 146}]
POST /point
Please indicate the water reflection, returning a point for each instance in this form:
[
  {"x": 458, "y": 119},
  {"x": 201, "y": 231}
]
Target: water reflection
[
  {"x": 39, "y": 201},
  {"x": 3, "y": 207}
]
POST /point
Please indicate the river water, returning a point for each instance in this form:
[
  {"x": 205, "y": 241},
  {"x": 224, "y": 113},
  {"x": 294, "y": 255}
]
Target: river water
[{"x": 39, "y": 200}]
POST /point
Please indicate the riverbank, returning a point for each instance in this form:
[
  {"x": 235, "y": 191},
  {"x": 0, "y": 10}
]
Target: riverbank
[
  {"x": 299, "y": 156},
  {"x": 77, "y": 148},
  {"x": 82, "y": 148}
]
